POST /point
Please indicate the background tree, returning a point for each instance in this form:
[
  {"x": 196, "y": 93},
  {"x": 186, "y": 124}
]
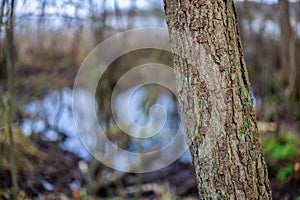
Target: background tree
[
  {"x": 10, "y": 62},
  {"x": 215, "y": 98},
  {"x": 287, "y": 49}
]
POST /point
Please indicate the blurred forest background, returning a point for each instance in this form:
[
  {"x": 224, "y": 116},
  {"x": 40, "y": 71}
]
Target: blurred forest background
[{"x": 43, "y": 43}]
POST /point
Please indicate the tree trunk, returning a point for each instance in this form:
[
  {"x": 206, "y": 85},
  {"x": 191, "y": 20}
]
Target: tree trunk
[
  {"x": 3, "y": 72},
  {"x": 10, "y": 62},
  {"x": 287, "y": 49},
  {"x": 216, "y": 103}
]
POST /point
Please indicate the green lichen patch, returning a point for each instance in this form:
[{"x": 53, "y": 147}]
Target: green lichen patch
[
  {"x": 241, "y": 132},
  {"x": 248, "y": 97}
]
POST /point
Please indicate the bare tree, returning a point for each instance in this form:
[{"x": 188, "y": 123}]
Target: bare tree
[
  {"x": 216, "y": 103},
  {"x": 10, "y": 62},
  {"x": 287, "y": 41},
  {"x": 2, "y": 54}
]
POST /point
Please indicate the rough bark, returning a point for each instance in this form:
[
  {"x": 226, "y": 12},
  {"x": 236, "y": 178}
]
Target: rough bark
[{"x": 216, "y": 103}]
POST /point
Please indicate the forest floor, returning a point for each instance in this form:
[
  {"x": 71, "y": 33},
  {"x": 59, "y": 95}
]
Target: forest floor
[{"x": 52, "y": 176}]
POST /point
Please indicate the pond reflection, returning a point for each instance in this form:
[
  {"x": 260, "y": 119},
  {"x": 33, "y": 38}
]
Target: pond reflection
[{"x": 52, "y": 117}]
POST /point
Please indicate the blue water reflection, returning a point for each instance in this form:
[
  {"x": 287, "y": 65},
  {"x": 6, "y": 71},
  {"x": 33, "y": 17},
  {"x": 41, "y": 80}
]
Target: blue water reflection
[{"x": 52, "y": 117}]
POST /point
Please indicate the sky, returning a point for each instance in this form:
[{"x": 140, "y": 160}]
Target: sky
[{"x": 26, "y": 6}]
